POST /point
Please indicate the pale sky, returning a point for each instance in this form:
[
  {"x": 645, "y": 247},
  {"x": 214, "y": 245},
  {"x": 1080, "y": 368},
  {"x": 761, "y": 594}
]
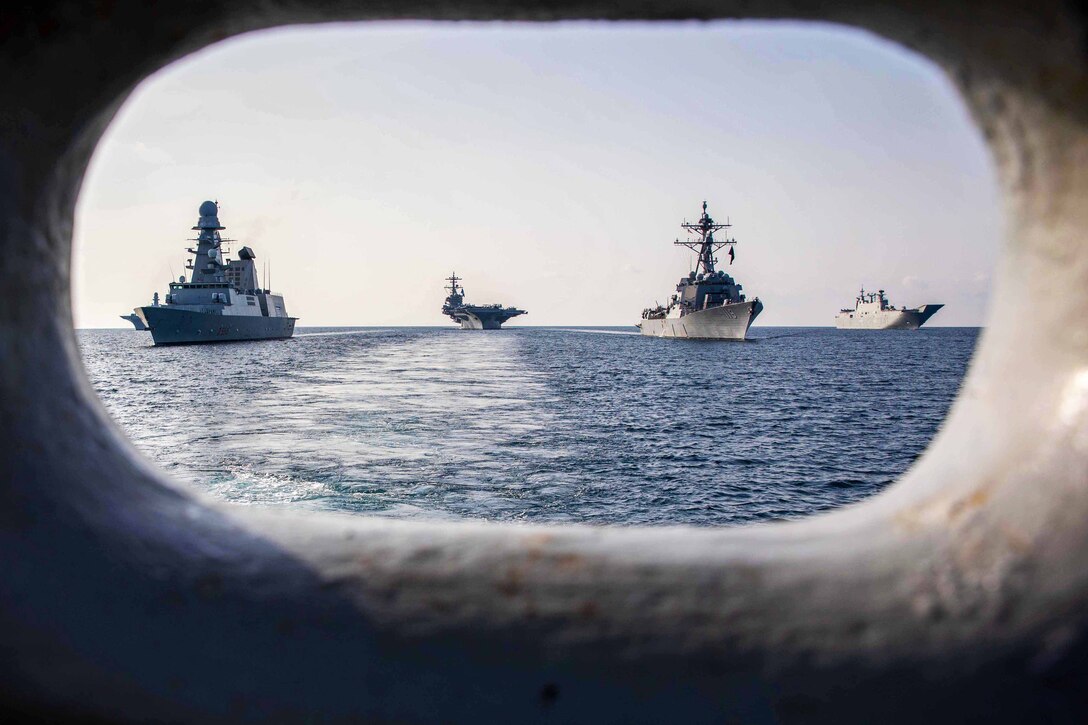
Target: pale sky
[{"x": 550, "y": 166}]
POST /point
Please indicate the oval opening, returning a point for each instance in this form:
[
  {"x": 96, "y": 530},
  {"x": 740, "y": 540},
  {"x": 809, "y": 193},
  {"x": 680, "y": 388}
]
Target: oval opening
[{"x": 551, "y": 168}]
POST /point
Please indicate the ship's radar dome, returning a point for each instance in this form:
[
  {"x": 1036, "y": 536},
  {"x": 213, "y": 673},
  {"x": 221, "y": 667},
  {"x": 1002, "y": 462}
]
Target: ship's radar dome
[{"x": 209, "y": 216}]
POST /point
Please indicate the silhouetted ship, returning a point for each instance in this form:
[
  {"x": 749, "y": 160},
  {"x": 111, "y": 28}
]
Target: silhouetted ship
[
  {"x": 222, "y": 301},
  {"x": 137, "y": 316},
  {"x": 708, "y": 303},
  {"x": 474, "y": 317},
  {"x": 135, "y": 319},
  {"x": 872, "y": 312}
]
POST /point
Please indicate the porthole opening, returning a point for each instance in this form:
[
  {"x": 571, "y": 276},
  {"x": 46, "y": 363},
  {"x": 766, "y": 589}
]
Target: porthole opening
[{"x": 552, "y": 167}]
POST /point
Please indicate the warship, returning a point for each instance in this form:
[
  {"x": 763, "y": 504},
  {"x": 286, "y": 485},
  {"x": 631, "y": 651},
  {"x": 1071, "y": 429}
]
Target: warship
[
  {"x": 135, "y": 319},
  {"x": 137, "y": 316},
  {"x": 474, "y": 317},
  {"x": 222, "y": 301},
  {"x": 708, "y": 304},
  {"x": 873, "y": 312}
]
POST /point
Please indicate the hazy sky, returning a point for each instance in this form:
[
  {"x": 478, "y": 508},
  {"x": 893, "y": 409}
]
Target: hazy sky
[{"x": 550, "y": 166}]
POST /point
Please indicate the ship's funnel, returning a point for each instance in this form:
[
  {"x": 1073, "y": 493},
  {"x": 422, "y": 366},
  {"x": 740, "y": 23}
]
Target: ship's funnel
[{"x": 209, "y": 217}]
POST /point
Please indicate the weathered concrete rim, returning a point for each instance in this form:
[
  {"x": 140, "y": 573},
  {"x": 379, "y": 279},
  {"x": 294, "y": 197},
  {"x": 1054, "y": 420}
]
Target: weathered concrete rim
[{"x": 962, "y": 591}]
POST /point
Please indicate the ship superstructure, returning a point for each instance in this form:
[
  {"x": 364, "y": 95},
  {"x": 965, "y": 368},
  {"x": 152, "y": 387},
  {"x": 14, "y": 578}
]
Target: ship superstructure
[
  {"x": 872, "y": 311},
  {"x": 222, "y": 300},
  {"x": 708, "y": 303},
  {"x": 474, "y": 317}
]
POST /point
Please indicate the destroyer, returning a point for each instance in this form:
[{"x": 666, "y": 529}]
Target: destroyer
[
  {"x": 872, "y": 312},
  {"x": 222, "y": 301},
  {"x": 708, "y": 303},
  {"x": 474, "y": 317}
]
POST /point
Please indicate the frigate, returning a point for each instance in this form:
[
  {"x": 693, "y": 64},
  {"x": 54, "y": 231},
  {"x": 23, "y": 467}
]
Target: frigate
[
  {"x": 708, "y": 303},
  {"x": 872, "y": 311},
  {"x": 474, "y": 317},
  {"x": 223, "y": 300}
]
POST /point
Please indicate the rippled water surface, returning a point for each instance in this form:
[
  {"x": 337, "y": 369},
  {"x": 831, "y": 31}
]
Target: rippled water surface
[{"x": 594, "y": 425}]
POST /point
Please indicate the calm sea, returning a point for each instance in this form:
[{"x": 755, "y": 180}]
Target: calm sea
[{"x": 593, "y": 425}]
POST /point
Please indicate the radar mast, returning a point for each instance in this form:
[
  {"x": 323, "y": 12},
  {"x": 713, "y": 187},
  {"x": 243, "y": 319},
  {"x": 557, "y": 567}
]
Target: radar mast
[
  {"x": 706, "y": 245},
  {"x": 453, "y": 279}
]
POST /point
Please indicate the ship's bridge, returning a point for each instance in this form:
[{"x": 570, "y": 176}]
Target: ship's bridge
[{"x": 699, "y": 291}]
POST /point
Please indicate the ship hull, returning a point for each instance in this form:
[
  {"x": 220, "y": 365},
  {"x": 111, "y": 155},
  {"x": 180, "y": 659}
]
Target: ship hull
[
  {"x": 185, "y": 327},
  {"x": 472, "y": 322},
  {"x": 136, "y": 319},
  {"x": 886, "y": 319},
  {"x": 484, "y": 319},
  {"x": 727, "y": 322}
]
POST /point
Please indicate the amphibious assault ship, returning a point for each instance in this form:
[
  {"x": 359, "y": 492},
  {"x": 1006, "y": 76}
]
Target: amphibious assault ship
[
  {"x": 137, "y": 316},
  {"x": 474, "y": 317},
  {"x": 708, "y": 303},
  {"x": 872, "y": 312},
  {"x": 222, "y": 301},
  {"x": 135, "y": 319}
]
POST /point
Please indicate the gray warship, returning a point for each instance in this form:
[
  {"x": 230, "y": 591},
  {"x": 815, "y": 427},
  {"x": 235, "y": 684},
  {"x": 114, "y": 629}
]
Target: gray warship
[
  {"x": 474, "y": 317},
  {"x": 137, "y": 316},
  {"x": 222, "y": 301},
  {"x": 136, "y": 320},
  {"x": 708, "y": 304},
  {"x": 872, "y": 311}
]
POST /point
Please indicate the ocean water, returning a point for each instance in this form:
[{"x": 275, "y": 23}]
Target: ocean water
[{"x": 594, "y": 425}]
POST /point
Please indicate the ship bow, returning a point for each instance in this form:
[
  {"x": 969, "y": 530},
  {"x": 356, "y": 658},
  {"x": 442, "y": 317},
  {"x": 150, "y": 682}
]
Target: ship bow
[{"x": 927, "y": 311}]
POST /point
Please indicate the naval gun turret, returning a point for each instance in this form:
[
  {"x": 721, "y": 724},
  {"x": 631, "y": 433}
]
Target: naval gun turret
[{"x": 474, "y": 317}]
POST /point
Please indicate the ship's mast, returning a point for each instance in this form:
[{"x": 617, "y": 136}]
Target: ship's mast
[
  {"x": 207, "y": 264},
  {"x": 453, "y": 279},
  {"x": 706, "y": 245}
]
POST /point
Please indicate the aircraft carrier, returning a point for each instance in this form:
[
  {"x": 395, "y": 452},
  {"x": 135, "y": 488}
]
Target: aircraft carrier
[
  {"x": 873, "y": 312},
  {"x": 223, "y": 300},
  {"x": 708, "y": 304},
  {"x": 474, "y": 317}
]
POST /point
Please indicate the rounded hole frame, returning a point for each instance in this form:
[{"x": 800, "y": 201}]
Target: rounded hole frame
[{"x": 962, "y": 591}]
